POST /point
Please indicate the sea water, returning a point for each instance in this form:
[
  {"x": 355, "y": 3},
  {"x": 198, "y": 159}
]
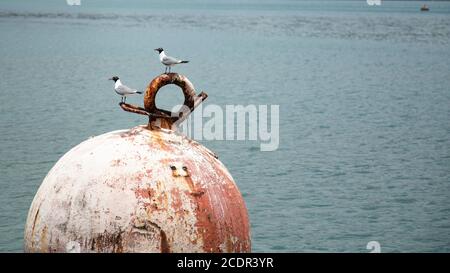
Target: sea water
[{"x": 363, "y": 91}]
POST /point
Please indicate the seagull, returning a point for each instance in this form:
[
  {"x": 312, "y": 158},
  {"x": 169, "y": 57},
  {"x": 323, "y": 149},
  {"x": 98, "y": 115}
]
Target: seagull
[
  {"x": 122, "y": 89},
  {"x": 167, "y": 60}
]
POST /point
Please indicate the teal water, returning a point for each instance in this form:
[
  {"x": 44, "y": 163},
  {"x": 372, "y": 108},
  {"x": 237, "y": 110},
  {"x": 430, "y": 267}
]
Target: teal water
[{"x": 364, "y": 95}]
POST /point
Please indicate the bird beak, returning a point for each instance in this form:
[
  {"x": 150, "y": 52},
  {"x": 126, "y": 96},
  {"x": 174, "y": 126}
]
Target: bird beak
[
  {"x": 110, "y": 79},
  {"x": 156, "y": 49}
]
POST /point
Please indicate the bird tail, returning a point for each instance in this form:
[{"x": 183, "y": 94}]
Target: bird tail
[
  {"x": 139, "y": 92},
  {"x": 184, "y": 62}
]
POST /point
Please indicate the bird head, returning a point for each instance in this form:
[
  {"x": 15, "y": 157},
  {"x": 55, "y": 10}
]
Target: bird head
[
  {"x": 115, "y": 78},
  {"x": 159, "y": 49}
]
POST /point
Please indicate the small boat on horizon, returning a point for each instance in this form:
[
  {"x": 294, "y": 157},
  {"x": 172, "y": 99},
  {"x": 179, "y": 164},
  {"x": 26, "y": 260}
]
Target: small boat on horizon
[{"x": 424, "y": 8}]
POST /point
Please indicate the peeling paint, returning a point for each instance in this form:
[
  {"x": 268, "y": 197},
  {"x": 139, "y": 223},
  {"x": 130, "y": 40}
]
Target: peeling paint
[{"x": 117, "y": 192}]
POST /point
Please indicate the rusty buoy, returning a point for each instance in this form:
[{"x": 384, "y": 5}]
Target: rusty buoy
[{"x": 145, "y": 189}]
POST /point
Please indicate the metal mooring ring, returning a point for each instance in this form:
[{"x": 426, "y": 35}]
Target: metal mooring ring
[{"x": 165, "y": 117}]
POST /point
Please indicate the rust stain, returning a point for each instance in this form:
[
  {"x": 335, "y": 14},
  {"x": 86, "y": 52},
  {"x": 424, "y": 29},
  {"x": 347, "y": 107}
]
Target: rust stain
[
  {"x": 117, "y": 162},
  {"x": 197, "y": 193},
  {"x": 177, "y": 204},
  {"x": 230, "y": 245},
  {"x": 163, "y": 200},
  {"x": 164, "y": 243},
  {"x": 139, "y": 177},
  {"x": 207, "y": 225},
  {"x": 147, "y": 198},
  {"x": 146, "y": 193},
  {"x": 159, "y": 185},
  {"x": 206, "y": 220},
  {"x": 93, "y": 244},
  {"x": 34, "y": 222},
  {"x": 107, "y": 242},
  {"x": 228, "y": 226},
  {"x": 197, "y": 203},
  {"x": 165, "y": 248},
  {"x": 236, "y": 221},
  {"x": 190, "y": 183},
  {"x": 160, "y": 142},
  {"x": 43, "y": 240},
  {"x": 129, "y": 135},
  {"x": 192, "y": 188}
]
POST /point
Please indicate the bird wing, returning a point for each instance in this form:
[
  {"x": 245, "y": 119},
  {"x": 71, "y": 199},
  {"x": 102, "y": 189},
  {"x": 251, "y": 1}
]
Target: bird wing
[
  {"x": 123, "y": 89},
  {"x": 167, "y": 60}
]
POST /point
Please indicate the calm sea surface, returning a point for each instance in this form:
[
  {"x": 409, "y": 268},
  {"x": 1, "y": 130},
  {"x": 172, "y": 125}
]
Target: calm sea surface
[{"x": 364, "y": 95}]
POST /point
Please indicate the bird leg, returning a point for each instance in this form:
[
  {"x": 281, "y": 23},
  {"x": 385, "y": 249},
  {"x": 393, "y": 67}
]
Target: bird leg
[{"x": 165, "y": 71}]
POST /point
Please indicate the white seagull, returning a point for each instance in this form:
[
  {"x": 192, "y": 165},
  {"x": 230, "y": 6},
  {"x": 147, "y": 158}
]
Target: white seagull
[
  {"x": 122, "y": 89},
  {"x": 167, "y": 60}
]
